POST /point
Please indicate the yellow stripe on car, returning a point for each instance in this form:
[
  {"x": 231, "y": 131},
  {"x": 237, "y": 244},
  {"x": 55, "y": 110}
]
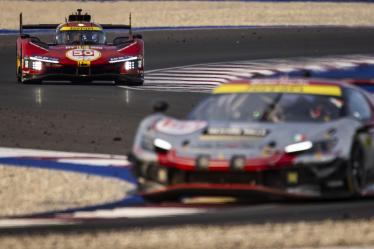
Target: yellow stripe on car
[
  {"x": 329, "y": 90},
  {"x": 80, "y": 28}
]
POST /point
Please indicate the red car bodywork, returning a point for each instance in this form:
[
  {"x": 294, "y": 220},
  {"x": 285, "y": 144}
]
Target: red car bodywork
[{"x": 80, "y": 62}]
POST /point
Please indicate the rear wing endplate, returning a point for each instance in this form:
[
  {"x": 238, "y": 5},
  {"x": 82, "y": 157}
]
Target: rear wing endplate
[
  {"x": 119, "y": 26},
  {"x": 34, "y": 26}
]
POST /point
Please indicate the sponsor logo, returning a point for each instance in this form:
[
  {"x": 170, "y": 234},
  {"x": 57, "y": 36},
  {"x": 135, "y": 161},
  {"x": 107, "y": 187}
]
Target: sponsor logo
[
  {"x": 80, "y": 28},
  {"x": 236, "y": 131},
  {"x": 176, "y": 127}
]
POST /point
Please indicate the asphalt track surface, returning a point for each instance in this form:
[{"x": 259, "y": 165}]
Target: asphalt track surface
[{"x": 103, "y": 118}]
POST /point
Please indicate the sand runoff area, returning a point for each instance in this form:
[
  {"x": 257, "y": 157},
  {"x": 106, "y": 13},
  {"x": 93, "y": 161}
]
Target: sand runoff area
[
  {"x": 358, "y": 234},
  {"x": 191, "y": 13}
]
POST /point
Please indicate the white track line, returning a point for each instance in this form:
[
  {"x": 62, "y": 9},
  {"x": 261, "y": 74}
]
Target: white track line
[
  {"x": 188, "y": 80},
  {"x": 13, "y": 223},
  {"x": 183, "y": 75},
  {"x": 139, "y": 212},
  {"x": 203, "y": 77}
]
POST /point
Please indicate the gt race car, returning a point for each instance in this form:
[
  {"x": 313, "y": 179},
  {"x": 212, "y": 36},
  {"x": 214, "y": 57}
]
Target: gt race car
[
  {"x": 304, "y": 138},
  {"x": 80, "y": 52}
]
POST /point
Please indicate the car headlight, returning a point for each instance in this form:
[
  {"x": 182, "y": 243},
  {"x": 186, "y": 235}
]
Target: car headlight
[
  {"x": 162, "y": 144},
  {"x": 298, "y": 147},
  {"x": 129, "y": 65},
  {"x": 36, "y": 62},
  {"x": 155, "y": 144},
  {"x": 313, "y": 147},
  {"x": 36, "y": 65},
  {"x": 129, "y": 62},
  {"x": 44, "y": 59}
]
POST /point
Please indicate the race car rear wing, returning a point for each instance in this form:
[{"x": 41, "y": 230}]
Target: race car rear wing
[
  {"x": 54, "y": 26},
  {"x": 34, "y": 26}
]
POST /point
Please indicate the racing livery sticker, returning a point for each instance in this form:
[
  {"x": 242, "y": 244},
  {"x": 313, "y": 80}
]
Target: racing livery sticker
[
  {"x": 80, "y": 28},
  {"x": 81, "y": 54},
  {"x": 176, "y": 127},
  {"x": 236, "y": 131},
  {"x": 280, "y": 88}
]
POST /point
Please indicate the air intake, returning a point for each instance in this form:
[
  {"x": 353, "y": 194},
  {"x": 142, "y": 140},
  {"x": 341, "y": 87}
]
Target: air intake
[{"x": 78, "y": 17}]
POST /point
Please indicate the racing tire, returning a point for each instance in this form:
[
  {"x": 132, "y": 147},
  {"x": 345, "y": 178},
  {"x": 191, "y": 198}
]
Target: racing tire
[
  {"x": 19, "y": 76},
  {"x": 30, "y": 82},
  {"x": 138, "y": 82},
  {"x": 356, "y": 173},
  {"x": 18, "y": 67}
]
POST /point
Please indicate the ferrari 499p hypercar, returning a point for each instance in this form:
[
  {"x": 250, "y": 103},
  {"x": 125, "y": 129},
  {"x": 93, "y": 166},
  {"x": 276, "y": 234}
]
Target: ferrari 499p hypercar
[
  {"x": 281, "y": 137},
  {"x": 80, "y": 52}
]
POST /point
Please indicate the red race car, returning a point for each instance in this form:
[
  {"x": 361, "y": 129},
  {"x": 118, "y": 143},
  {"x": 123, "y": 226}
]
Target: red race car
[{"x": 80, "y": 53}]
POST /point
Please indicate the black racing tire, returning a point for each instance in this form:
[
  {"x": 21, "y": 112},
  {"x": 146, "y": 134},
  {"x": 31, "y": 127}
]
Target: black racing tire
[
  {"x": 30, "y": 82},
  {"x": 18, "y": 69},
  {"x": 121, "y": 83},
  {"x": 19, "y": 76},
  {"x": 138, "y": 82},
  {"x": 81, "y": 82},
  {"x": 356, "y": 173}
]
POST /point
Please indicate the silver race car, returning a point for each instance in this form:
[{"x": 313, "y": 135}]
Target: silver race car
[{"x": 273, "y": 137}]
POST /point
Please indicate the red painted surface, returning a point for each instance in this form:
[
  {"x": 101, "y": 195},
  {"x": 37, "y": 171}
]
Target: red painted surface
[
  {"x": 26, "y": 48},
  {"x": 278, "y": 160}
]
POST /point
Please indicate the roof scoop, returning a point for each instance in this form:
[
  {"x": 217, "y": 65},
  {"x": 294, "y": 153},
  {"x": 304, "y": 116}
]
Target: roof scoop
[{"x": 78, "y": 17}]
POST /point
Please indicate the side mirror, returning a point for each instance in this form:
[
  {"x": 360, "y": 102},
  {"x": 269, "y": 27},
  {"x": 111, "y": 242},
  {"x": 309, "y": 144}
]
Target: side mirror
[
  {"x": 160, "y": 106},
  {"x": 120, "y": 39},
  {"x": 24, "y": 36},
  {"x": 138, "y": 36}
]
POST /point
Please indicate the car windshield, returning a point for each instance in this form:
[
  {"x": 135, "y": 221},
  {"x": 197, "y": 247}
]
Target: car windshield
[
  {"x": 269, "y": 107},
  {"x": 80, "y": 37}
]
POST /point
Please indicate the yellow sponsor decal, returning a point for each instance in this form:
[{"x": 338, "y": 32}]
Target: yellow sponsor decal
[
  {"x": 292, "y": 178},
  {"x": 329, "y": 90},
  {"x": 80, "y": 28},
  {"x": 84, "y": 63}
]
